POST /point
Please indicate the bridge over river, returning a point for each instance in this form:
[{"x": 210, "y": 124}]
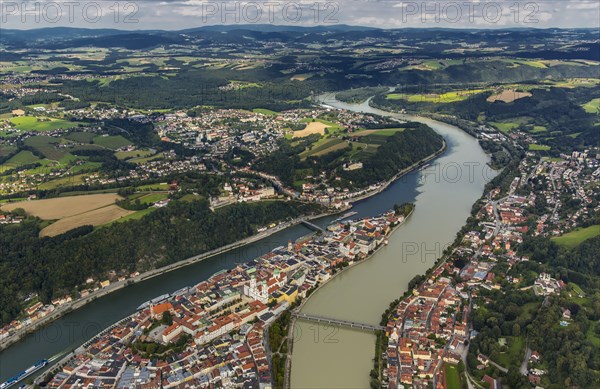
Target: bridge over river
[
  {"x": 344, "y": 323},
  {"x": 312, "y": 226}
]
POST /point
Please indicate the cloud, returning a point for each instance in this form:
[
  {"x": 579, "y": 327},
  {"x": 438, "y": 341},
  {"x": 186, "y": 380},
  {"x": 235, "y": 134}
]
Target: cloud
[
  {"x": 582, "y": 5},
  {"x": 179, "y": 14}
]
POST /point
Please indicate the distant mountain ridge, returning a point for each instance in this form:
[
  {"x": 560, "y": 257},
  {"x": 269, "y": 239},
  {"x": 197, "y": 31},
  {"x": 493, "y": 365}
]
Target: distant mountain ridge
[
  {"x": 541, "y": 42},
  {"x": 63, "y": 32}
]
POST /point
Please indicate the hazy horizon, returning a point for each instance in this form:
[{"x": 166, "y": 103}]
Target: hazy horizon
[
  {"x": 257, "y": 27},
  {"x": 174, "y": 15}
]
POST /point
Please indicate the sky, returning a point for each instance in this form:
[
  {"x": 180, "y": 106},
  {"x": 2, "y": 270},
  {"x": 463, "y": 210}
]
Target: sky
[{"x": 181, "y": 14}]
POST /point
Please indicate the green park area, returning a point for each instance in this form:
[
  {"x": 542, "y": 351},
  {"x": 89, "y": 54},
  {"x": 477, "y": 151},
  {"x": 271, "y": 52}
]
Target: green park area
[
  {"x": 452, "y": 377},
  {"x": 577, "y": 236},
  {"x": 513, "y": 354}
]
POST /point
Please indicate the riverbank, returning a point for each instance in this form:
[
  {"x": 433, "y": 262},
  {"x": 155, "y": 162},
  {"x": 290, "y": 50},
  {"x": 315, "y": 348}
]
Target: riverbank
[
  {"x": 291, "y": 331},
  {"x": 384, "y": 185},
  {"x": 381, "y": 343},
  {"x": 442, "y": 207},
  {"x": 70, "y": 307},
  {"x": 401, "y": 173},
  {"x": 386, "y": 224}
]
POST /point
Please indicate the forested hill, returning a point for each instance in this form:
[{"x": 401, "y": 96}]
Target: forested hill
[
  {"x": 570, "y": 353},
  {"x": 382, "y": 157},
  {"x": 559, "y": 111},
  {"x": 54, "y": 266},
  {"x": 399, "y": 152}
]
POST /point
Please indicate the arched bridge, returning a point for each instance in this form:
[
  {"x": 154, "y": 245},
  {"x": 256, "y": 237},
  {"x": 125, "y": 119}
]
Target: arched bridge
[{"x": 343, "y": 323}]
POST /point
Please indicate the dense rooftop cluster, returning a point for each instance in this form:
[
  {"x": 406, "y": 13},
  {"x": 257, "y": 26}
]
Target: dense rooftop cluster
[{"x": 214, "y": 332}]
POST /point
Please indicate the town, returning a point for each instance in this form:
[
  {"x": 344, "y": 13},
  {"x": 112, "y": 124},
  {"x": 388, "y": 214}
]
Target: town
[
  {"x": 216, "y": 332},
  {"x": 220, "y": 139},
  {"x": 174, "y": 168},
  {"x": 429, "y": 331}
]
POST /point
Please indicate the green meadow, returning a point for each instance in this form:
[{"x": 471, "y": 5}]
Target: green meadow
[
  {"x": 592, "y": 106},
  {"x": 33, "y": 123},
  {"x": 536, "y": 147},
  {"x": 577, "y": 236},
  {"x": 448, "y": 97},
  {"x": 265, "y": 111},
  {"x": 452, "y": 377},
  {"x": 112, "y": 142}
]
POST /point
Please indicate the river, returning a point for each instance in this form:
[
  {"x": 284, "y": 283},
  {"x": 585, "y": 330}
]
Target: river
[
  {"x": 443, "y": 193},
  {"x": 322, "y": 357},
  {"x": 74, "y": 328}
]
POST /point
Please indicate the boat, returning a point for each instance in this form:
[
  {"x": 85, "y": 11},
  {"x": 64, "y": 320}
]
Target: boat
[
  {"x": 345, "y": 216},
  {"x": 181, "y": 291},
  {"x": 424, "y": 167},
  {"x": 147, "y": 303},
  {"x": 24, "y": 374},
  {"x": 143, "y": 306}
]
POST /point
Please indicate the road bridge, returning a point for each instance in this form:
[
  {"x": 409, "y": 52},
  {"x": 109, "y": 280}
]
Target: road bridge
[
  {"x": 312, "y": 226},
  {"x": 338, "y": 322}
]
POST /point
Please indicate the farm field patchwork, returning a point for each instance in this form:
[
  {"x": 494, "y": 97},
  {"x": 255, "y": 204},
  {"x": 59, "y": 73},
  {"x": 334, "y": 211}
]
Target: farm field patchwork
[
  {"x": 384, "y": 132},
  {"x": 71, "y": 180},
  {"x": 23, "y": 157},
  {"x": 124, "y": 155},
  {"x": 94, "y": 217},
  {"x": 80, "y": 136},
  {"x": 61, "y": 207},
  {"x": 139, "y": 160},
  {"x": 311, "y": 128},
  {"x": 112, "y": 142},
  {"x": 135, "y": 215},
  {"x": 46, "y": 145},
  {"x": 447, "y": 97},
  {"x": 508, "y": 96},
  {"x": 301, "y": 77},
  {"x": 324, "y": 146},
  {"x": 33, "y": 123},
  {"x": 360, "y": 149},
  {"x": 510, "y": 124},
  {"x": 153, "y": 197}
]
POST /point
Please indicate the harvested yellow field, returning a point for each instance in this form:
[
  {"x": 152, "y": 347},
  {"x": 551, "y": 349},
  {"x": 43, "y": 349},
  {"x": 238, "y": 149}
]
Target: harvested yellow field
[
  {"x": 62, "y": 207},
  {"x": 508, "y": 96},
  {"x": 301, "y": 77},
  {"x": 95, "y": 217},
  {"x": 311, "y": 128}
]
